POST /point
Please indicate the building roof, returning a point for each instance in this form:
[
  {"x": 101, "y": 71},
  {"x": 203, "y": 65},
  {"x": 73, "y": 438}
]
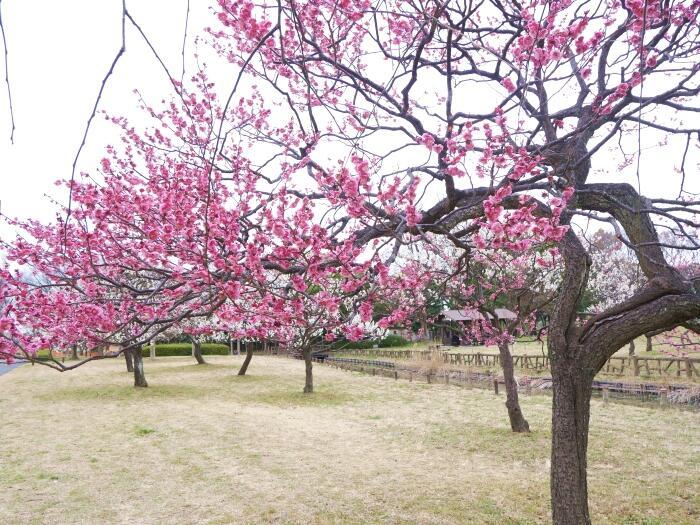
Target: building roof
[{"x": 475, "y": 315}]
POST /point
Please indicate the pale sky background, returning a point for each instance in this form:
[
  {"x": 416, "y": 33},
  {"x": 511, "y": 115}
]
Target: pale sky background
[
  {"x": 60, "y": 51},
  {"x": 58, "y": 54}
]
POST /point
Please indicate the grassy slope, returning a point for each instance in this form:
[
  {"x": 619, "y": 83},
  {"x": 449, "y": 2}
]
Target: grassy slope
[
  {"x": 535, "y": 348},
  {"x": 527, "y": 346},
  {"x": 205, "y": 446}
]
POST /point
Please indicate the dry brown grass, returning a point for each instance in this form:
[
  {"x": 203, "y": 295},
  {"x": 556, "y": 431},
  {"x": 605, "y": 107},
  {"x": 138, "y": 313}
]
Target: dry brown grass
[
  {"x": 202, "y": 445},
  {"x": 438, "y": 366}
]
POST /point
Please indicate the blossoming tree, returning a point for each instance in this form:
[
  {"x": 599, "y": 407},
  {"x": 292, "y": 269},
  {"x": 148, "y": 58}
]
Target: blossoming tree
[
  {"x": 483, "y": 123},
  {"x": 434, "y": 116}
]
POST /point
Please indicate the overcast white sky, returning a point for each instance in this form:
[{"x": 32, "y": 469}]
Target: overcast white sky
[
  {"x": 58, "y": 54},
  {"x": 60, "y": 51}
]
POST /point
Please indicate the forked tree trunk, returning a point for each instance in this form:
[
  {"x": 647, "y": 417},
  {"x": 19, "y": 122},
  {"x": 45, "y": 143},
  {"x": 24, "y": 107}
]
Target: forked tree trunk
[
  {"x": 309, "y": 366},
  {"x": 518, "y": 423},
  {"x": 129, "y": 361},
  {"x": 248, "y": 357},
  {"x": 197, "y": 353},
  {"x": 139, "y": 376},
  {"x": 649, "y": 345},
  {"x": 570, "y": 420}
]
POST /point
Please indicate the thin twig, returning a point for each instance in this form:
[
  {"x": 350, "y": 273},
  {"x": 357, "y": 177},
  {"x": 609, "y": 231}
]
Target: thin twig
[
  {"x": 184, "y": 41},
  {"x": 119, "y": 54},
  {"x": 7, "y": 79}
]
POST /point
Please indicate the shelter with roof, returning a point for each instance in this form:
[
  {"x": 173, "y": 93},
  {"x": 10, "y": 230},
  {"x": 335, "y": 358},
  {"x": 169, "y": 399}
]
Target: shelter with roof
[{"x": 455, "y": 326}]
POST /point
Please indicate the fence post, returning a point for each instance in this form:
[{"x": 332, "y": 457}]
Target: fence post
[
  {"x": 152, "y": 349},
  {"x": 396, "y": 374},
  {"x": 663, "y": 396},
  {"x": 606, "y": 393},
  {"x": 495, "y": 386},
  {"x": 688, "y": 367},
  {"x": 635, "y": 365}
]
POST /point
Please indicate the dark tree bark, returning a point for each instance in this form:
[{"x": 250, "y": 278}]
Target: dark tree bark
[
  {"x": 139, "y": 376},
  {"x": 129, "y": 361},
  {"x": 309, "y": 366},
  {"x": 246, "y": 361},
  {"x": 197, "y": 352},
  {"x": 518, "y": 423},
  {"x": 570, "y": 420},
  {"x": 577, "y": 353},
  {"x": 74, "y": 352},
  {"x": 571, "y": 387}
]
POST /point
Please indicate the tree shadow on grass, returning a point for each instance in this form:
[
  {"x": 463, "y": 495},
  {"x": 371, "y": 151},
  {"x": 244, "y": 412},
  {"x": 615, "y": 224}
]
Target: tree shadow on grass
[
  {"x": 190, "y": 368},
  {"x": 124, "y": 392},
  {"x": 290, "y": 395}
]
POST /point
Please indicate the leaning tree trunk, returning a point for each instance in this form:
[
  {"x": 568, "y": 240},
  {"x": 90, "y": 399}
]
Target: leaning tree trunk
[
  {"x": 197, "y": 353},
  {"x": 139, "y": 376},
  {"x": 649, "y": 345},
  {"x": 309, "y": 383},
  {"x": 518, "y": 423},
  {"x": 570, "y": 419},
  {"x": 129, "y": 361},
  {"x": 248, "y": 357},
  {"x": 572, "y": 380}
]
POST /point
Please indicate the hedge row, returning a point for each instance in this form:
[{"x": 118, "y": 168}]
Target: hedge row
[
  {"x": 185, "y": 349},
  {"x": 386, "y": 342}
]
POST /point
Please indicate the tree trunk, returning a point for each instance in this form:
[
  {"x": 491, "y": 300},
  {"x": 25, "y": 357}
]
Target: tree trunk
[
  {"x": 129, "y": 361},
  {"x": 570, "y": 418},
  {"x": 649, "y": 345},
  {"x": 631, "y": 351},
  {"x": 518, "y": 423},
  {"x": 74, "y": 352},
  {"x": 309, "y": 384},
  {"x": 248, "y": 357},
  {"x": 197, "y": 347},
  {"x": 139, "y": 376}
]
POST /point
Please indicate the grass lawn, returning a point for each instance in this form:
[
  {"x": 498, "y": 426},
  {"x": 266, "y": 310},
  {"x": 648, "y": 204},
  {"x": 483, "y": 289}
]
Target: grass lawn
[
  {"x": 527, "y": 348},
  {"x": 202, "y": 445},
  {"x": 526, "y": 345}
]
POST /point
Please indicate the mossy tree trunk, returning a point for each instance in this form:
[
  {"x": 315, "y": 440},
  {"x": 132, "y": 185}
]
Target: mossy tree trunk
[
  {"x": 139, "y": 375},
  {"x": 518, "y": 423},
  {"x": 246, "y": 361},
  {"x": 309, "y": 368},
  {"x": 129, "y": 361},
  {"x": 197, "y": 352}
]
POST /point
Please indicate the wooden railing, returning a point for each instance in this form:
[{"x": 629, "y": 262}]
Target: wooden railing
[{"x": 631, "y": 365}]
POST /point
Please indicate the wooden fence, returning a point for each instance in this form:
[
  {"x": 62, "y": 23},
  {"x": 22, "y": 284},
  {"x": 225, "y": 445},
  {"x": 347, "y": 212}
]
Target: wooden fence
[
  {"x": 665, "y": 394},
  {"x": 629, "y": 365}
]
